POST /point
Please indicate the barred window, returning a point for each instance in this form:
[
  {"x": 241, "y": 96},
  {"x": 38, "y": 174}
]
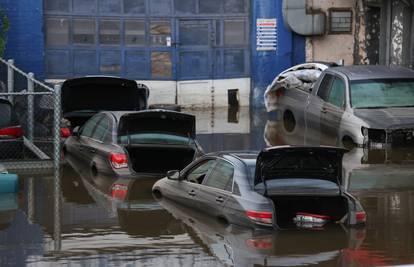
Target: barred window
[{"x": 340, "y": 21}]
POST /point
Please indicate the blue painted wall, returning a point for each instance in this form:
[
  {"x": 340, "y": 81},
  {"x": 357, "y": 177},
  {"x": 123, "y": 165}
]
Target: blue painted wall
[
  {"x": 25, "y": 37},
  {"x": 267, "y": 64}
]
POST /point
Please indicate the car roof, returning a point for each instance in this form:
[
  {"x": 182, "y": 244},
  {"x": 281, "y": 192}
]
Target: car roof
[{"x": 366, "y": 72}]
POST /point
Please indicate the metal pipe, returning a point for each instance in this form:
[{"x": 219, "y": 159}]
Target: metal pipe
[
  {"x": 56, "y": 165},
  {"x": 30, "y": 106},
  {"x": 10, "y": 78}
]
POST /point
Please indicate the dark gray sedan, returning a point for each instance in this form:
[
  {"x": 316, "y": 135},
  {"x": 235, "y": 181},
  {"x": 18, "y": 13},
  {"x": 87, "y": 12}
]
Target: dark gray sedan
[
  {"x": 278, "y": 187},
  {"x": 124, "y": 143}
]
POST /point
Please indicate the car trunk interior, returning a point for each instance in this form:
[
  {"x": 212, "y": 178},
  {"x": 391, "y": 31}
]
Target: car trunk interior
[
  {"x": 287, "y": 206},
  {"x": 159, "y": 159}
]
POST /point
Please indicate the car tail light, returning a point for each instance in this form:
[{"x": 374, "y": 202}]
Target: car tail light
[
  {"x": 15, "y": 131},
  {"x": 65, "y": 132},
  {"x": 260, "y": 243},
  {"x": 360, "y": 217},
  {"x": 261, "y": 217},
  {"x": 119, "y": 191},
  {"x": 118, "y": 160}
]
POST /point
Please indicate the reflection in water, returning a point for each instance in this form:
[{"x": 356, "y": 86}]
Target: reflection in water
[
  {"x": 100, "y": 226},
  {"x": 240, "y": 246}
]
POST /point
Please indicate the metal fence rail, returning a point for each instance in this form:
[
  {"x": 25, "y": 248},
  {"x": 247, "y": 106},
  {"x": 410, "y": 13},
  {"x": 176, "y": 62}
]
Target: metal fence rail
[{"x": 30, "y": 120}]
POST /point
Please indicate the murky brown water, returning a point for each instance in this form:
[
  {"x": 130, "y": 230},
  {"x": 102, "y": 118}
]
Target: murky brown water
[{"x": 95, "y": 230}]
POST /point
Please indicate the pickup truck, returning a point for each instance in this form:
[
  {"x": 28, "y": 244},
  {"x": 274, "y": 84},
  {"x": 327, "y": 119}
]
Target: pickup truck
[{"x": 365, "y": 106}]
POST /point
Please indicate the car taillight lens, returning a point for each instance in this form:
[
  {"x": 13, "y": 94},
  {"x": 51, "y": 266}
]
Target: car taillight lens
[
  {"x": 65, "y": 132},
  {"x": 15, "y": 131},
  {"x": 119, "y": 191},
  {"x": 261, "y": 217},
  {"x": 360, "y": 217},
  {"x": 119, "y": 160}
]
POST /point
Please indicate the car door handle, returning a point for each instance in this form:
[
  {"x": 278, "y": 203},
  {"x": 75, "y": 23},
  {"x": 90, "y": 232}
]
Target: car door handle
[
  {"x": 192, "y": 193},
  {"x": 92, "y": 150},
  {"x": 324, "y": 110},
  {"x": 220, "y": 199}
]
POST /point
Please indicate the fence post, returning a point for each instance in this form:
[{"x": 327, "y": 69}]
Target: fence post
[
  {"x": 10, "y": 78},
  {"x": 56, "y": 163},
  {"x": 30, "y": 106}
]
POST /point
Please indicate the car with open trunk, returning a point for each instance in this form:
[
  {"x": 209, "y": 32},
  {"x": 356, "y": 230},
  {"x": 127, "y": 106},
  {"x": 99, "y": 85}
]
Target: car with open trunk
[{"x": 279, "y": 187}]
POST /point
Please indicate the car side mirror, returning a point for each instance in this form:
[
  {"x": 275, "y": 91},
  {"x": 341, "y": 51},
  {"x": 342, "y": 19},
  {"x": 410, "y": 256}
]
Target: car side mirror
[
  {"x": 173, "y": 175},
  {"x": 75, "y": 131}
]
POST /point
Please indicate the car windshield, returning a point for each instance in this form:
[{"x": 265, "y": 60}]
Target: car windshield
[
  {"x": 382, "y": 93},
  {"x": 153, "y": 138}
]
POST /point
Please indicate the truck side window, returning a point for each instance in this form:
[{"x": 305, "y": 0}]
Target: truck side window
[
  {"x": 337, "y": 93},
  {"x": 325, "y": 86}
]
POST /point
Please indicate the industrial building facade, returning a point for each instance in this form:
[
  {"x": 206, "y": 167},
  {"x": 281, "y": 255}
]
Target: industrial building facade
[{"x": 195, "y": 52}]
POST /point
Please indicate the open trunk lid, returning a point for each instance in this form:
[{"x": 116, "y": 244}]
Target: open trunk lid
[
  {"x": 282, "y": 163},
  {"x": 84, "y": 97},
  {"x": 157, "y": 121}
]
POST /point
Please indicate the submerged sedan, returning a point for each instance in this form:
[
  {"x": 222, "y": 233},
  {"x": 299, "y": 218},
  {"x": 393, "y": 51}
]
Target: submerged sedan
[
  {"x": 124, "y": 143},
  {"x": 278, "y": 187}
]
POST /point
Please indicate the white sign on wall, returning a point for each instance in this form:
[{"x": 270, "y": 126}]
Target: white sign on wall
[{"x": 266, "y": 34}]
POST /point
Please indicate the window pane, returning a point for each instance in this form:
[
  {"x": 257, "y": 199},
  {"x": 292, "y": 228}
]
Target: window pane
[
  {"x": 83, "y": 31},
  {"x": 134, "y": 6},
  {"x": 160, "y": 31},
  {"x": 134, "y": 32},
  {"x": 57, "y": 32},
  {"x": 110, "y": 6},
  {"x": 84, "y": 62},
  {"x": 337, "y": 94},
  {"x": 102, "y": 129},
  {"x": 194, "y": 64},
  {"x": 185, "y": 6},
  {"x": 161, "y": 65},
  {"x": 198, "y": 173},
  {"x": 160, "y": 7},
  {"x": 89, "y": 126},
  {"x": 84, "y": 6},
  {"x": 110, "y": 62},
  {"x": 57, "y": 5},
  {"x": 234, "y": 62},
  {"x": 234, "y": 6},
  {"x": 221, "y": 176},
  {"x": 325, "y": 86},
  {"x": 57, "y": 62},
  {"x": 234, "y": 32},
  {"x": 210, "y": 6},
  {"x": 109, "y": 32},
  {"x": 136, "y": 64},
  {"x": 194, "y": 32}
]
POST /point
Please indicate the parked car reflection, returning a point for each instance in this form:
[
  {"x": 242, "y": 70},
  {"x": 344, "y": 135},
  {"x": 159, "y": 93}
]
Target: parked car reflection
[{"x": 239, "y": 246}]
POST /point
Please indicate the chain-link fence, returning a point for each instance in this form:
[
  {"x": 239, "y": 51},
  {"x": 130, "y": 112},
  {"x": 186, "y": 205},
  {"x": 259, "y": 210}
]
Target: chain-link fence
[{"x": 30, "y": 120}]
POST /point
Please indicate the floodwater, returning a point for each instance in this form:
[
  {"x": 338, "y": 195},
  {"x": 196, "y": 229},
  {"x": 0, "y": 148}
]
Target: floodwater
[{"x": 93, "y": 229}]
